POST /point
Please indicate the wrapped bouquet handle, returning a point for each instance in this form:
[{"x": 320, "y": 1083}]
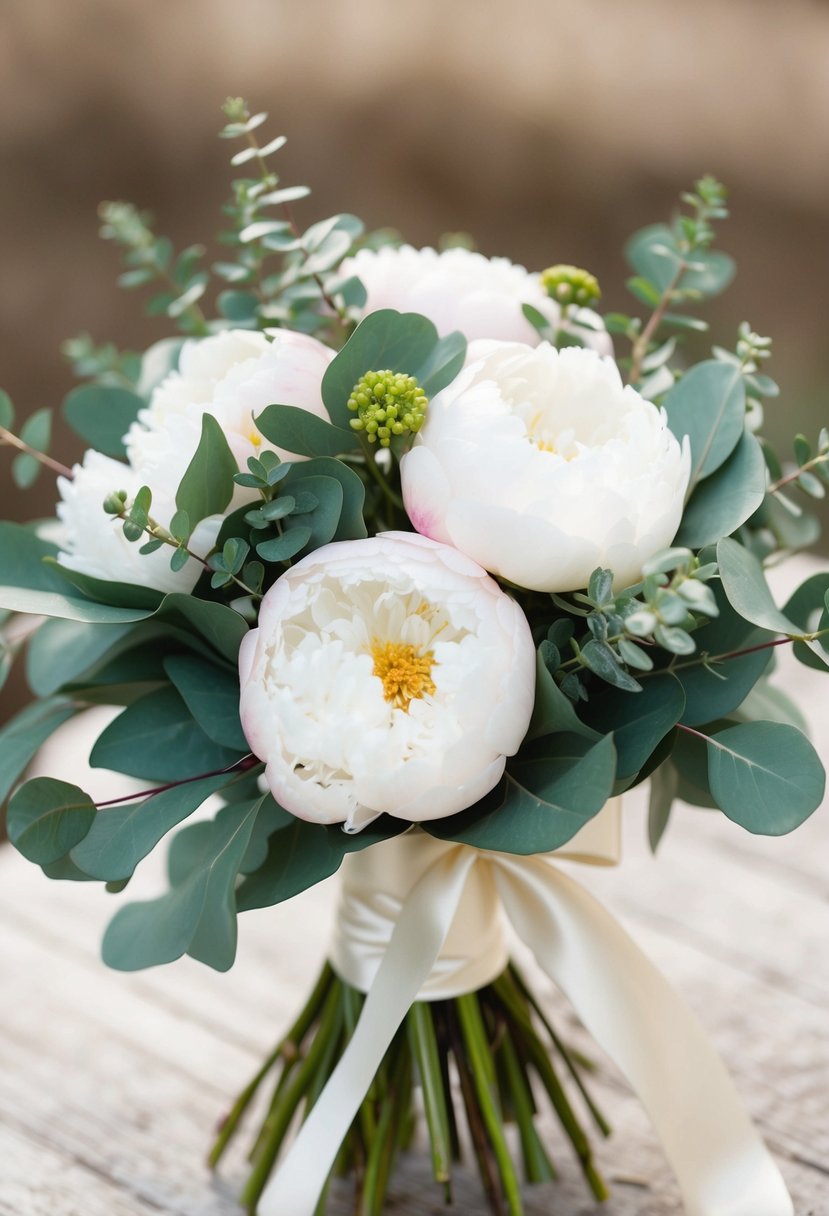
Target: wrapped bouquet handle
[{"x": 722, "y": 1166}]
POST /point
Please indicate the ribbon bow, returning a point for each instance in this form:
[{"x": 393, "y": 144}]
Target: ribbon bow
[{"x": 722, "y": 1166}]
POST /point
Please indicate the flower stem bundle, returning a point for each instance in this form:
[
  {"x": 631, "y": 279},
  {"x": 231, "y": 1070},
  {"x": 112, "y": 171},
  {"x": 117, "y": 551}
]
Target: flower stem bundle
[{"x": 485, "y": 1065}]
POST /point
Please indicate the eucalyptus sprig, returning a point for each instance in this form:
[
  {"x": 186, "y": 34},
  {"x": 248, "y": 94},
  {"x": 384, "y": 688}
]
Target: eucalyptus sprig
[
  {"x": 662, "y": 611},
  {"x": 674, "y": 265},
  {"x": 151, "y": 260},
  {"x": 303, "y": 290},
  {"x": 32, "y": 444}
]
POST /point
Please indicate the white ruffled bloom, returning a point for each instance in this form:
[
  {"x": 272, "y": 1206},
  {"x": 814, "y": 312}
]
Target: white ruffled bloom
[
  {"x": 459, "y": 289},
  {"x": 232, "y": 375},
  {"x": 541, "y": 466},
  {"x": 386, "y": 675},
  {"x": 93, "y": 542}
]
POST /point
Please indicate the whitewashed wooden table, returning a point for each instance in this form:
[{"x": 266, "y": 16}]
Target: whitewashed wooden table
[{"x": 110, "y": 1084}]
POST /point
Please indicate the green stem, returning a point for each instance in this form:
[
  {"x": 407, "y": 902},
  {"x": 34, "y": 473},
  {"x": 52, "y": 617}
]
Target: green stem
[
  {"x": 286, "y": 1049},
  {"x": 483, "y": 1077},
  {"x": 371, "y": 465},
  {"x": 352, "y": 1005},
  {"x": 564, "y": 1051},
  {"x": 278, "y": 1122},
  {"x": 511, "y": 998},
  {"x": 643, "y": 340},
  {"x": 483, "y": 1149},
  {"x": 423, "y": 1040},
  {"x": 382, "y": 1147},
  {"x": 820, "y": 459},
  {"x": 538, "y": 1165}
]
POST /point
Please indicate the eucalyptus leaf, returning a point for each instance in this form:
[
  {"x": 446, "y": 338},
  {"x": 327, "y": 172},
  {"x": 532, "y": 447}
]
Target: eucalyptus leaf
[
  {"x": 47, "y": 817},
  {"x": 725, "y": 500},
  {"x": 708, "y": 405},
  {"x": 60, "y": 651},
  {"x": 121, "y": 836},
  {"x": 207, "y": 485},
  {"x": 300, "y": 431},
  {"x": 283, "y": 548},
  {"x": 553, "y": 710},
  {"x": 102, "y": 415},
  {"x": 24, "y": 734},
  {"x": 713, "y": 689},
  {"x": 663, "y": 792},
  {"x": 653, "y": 252},
  {"x": 399, "y": 342},
  {"x": 351, "y": 524},
  {"x": 157, "y": 738},
  {"x": 747, "y": 591},
  {"x": 199, "y": 915},
  {"x": 6, "y": 410},
  {"x": 302, "y": 854},
  {"x": 806, "y": 608},
  {"x": 638, "y": 723},
  {"x": 211, "y": 694},
  {"x": 765, "y": 776}
]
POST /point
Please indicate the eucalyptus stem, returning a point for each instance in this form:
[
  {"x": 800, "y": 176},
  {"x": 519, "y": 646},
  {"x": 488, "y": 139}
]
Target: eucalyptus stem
[
  {"x": 643, "y": 340},
  {"x": 269, "y": 180},
  {"x": 155, "y": 531},
  {"x": 815, "y": 462},
  {"x": 9, "y": 439}
]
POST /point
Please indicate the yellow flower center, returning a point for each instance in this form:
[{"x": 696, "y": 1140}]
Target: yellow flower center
[
  {"x": 405, "y": 674},
  {"x": 535, "y": 439}
]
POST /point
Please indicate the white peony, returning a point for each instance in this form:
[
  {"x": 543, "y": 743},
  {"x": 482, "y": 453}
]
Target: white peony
[
  {"x": 458, "y": 289},
  {"x": 93, "y": 542},
  {"x": 232, "y": 375},
  {"x": 386, "y": 675},
  {"x": 541, "y": 466}
]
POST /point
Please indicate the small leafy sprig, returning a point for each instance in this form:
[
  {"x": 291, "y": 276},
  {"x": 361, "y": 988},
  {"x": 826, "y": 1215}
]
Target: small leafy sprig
[
  {"x": 105, "y": 364},
  {"x": 150, "y": 259},
  {"x": 674, "y": 265},
  {"x": 662, "y": 611},
  {"x": 32, "y": 444},
  {"x": 306, "y": 281}
]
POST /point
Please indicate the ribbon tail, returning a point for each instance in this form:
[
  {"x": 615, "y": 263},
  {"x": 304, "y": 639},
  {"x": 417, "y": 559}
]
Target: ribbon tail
[
  {"x": 722, "y": 1166},
  {"x": 418, "y": 936}
]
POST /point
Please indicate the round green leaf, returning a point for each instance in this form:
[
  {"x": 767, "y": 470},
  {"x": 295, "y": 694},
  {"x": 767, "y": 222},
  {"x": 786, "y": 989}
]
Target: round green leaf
[
  {"x": 102, "y": 415},
  {"x": 725, "y": 500},
  {"x": 708, "y": 405},
  {"x": 766, "y": 776},
  {"x": 47, "y": 818}
]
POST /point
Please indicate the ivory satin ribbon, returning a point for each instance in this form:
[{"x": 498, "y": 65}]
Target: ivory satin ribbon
[{"x": 419, "y": 921}]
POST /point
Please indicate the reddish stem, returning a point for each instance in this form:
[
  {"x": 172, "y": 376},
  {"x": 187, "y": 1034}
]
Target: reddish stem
[{"x": 240, "y": 766}]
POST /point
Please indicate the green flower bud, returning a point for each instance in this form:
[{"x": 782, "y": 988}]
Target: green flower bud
[
  {"x": 387, "y": 404},
  {"x": 570, "y": 285},
  {"x": 114, "y": 503}
]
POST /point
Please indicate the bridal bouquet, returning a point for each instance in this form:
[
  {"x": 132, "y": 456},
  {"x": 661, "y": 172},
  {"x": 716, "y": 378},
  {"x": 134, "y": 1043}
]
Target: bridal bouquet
[{"x": 412, "y": 563}]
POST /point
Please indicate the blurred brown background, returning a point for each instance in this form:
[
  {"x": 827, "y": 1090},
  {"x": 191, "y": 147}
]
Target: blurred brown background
[{"x": 547, "y": 128}]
